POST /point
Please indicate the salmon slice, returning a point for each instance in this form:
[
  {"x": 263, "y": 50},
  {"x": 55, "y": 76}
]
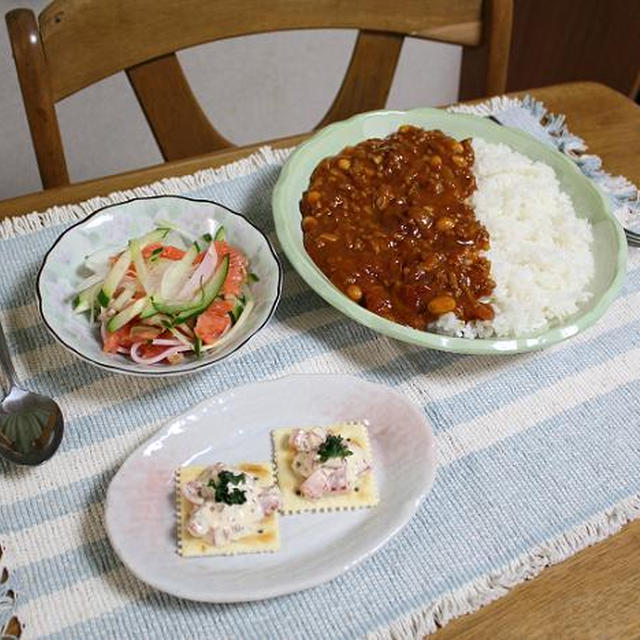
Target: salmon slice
[
  {"x": 213, "y": 321},
  {"x": 119, "y": 338},
  {"x": 237, "y": 273},
  {"x": 168, "y": 251}
]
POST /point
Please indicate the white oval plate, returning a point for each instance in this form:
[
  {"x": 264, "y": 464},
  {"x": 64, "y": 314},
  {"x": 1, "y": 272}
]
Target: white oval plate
[
  {"x": 112, "y": 227},
  {"x": 235, "y": 426}
]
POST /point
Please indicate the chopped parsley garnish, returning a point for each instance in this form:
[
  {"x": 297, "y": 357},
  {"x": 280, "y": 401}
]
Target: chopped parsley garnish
[
  {"x": 155, "y": 254},
  {"x": 253, "y": 277},
  {"x": 333, "y": 447},
  {"x": 223, "y": 493}
]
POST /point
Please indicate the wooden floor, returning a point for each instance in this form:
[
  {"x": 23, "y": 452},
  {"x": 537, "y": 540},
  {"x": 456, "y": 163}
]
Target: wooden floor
[{"x": 596, "y": 593}]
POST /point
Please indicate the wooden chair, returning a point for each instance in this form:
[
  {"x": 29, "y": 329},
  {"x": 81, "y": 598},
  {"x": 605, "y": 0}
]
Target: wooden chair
[{"x": 74, "y": 43}]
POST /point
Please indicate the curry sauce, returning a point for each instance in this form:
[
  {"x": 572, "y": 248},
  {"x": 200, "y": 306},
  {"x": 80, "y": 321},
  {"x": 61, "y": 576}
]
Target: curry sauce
[{"x": 388, "y": 221}]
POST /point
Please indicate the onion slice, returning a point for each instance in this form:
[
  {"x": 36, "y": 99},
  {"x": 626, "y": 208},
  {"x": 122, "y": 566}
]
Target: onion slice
[
  {"x": 136, "y": 357},
  {"x": 201, "y": 274},
  {"x": 167, "y": 342}
]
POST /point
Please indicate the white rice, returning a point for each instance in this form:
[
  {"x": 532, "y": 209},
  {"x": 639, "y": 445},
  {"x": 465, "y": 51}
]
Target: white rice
[{"x": 540, "y": 251}]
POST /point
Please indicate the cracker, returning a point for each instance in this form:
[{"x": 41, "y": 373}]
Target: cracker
[
  {"x": 188, "y": 546},
  {"x": 289, "y": 481}
]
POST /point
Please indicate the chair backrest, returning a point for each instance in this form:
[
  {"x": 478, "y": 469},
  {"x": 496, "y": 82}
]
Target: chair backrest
[{"x": 75, "y": 43}]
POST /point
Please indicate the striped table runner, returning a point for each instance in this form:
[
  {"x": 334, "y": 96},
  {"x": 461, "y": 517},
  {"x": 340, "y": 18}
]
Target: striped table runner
[{"x": 539, "y": 453}]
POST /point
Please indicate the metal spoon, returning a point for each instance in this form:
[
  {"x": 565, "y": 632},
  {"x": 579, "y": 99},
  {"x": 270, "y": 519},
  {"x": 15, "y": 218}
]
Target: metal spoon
[{"x": 31, "y": 425}]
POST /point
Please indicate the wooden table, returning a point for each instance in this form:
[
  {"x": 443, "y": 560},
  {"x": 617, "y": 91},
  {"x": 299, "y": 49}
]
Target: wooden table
[{"x": 594, "y": 594}]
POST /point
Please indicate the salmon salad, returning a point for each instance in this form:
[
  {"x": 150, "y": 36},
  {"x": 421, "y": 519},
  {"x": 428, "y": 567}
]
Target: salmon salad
[{"x": 158, "y": 302}]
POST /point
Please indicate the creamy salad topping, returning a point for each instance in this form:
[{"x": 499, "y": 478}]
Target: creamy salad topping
[
  {"x": 228, "y": 504},
  {"x": 328, "y": 463}
]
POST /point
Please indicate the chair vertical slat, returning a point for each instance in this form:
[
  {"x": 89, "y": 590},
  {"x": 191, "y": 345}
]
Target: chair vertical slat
[
  {"x": 177, "y": 121},
  {"x": 369, "y": 76},
  {"x": 498, "y": 26},
  {"x": 484, "y": 68},
  {"x": 38, "y": 100}
]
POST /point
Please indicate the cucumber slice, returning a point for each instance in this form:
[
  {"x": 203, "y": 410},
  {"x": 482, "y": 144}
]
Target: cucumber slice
[
  {"x": 158, "y": 320},
  {"x": 173, "y": 309},
  {"x": 203, "y": 241},
  {"x": 121, "y": 265},
  {"x": 220, "y": 235},
  {"x": 122, "y": 298},
  {"x": 86, "y": 298},
  {"x": 210, "y": 291},
  {"x": 128, "y": 313},
  {"x": 148, "y": 311},
  {"x": 237, "y": 308},
  {"x": 174, "y": 276},
  {"x": 141, "y": 268},
  {"x": 113, "y": 278}
]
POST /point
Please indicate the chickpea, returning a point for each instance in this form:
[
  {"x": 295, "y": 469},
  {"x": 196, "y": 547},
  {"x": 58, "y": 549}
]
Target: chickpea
[
  {"x": 456, "y": 147},
  {"x": 459, "y": 161},
  {"x": 435, "y": 161},
  {"x": 344, "y": 164},
  {"x": 445, "y": 223},
  {"x": 484, "y": 311},
  {"x": 377, "y": 159},
  {"x": 308, "y": 223},
  {"x": 354, "y": 292},
  {"x": 313, "y": 197},
  {"x": 441, "y": 304}
]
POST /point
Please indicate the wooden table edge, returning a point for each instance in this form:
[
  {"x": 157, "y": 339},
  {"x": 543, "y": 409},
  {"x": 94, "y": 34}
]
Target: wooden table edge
[{"x": 80, "y": 191}]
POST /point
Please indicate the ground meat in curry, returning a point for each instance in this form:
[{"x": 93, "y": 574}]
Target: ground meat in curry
[{"x": 388, "y": 221}]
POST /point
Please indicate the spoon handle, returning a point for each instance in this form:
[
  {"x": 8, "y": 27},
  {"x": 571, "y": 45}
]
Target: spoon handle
[{"x": 5, "y": 359}]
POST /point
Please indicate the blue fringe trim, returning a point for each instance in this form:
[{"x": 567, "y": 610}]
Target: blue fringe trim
[{"x": 623, "y": 196}]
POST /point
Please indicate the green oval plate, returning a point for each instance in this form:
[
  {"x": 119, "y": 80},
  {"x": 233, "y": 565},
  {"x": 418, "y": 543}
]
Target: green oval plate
[{"x": 609, "y": 247}]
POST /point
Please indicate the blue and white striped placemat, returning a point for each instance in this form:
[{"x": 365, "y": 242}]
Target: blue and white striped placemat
[{"x": 539, "y": 453}]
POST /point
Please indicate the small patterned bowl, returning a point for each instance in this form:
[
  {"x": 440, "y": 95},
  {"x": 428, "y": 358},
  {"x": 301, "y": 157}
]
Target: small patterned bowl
[{"x": 59, "y": 277}]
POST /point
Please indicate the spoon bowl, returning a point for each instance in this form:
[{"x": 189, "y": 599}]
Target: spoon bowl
[{"x": 31, "y": 425}]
